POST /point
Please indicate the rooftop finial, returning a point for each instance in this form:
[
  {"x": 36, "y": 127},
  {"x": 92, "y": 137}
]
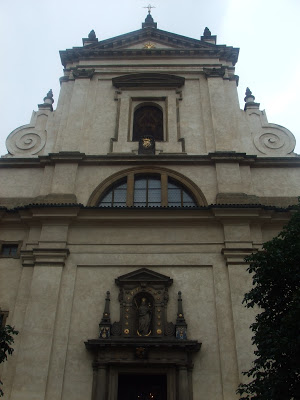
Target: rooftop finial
[
  {"x": 149, "y": 22},
  {"x": 49, "y": 96},
  {"x": 48, "y": 101},
  {"x": 206, "y": 32},
  {"x": 249, "y": 96},
  {"x": 208, "y": 37},
  {"x": 249, "y": 100},
  {"x": 149, "y": 8},
  {"x": 92, "y": 35},
  {"x": 248, "y": 93},
  {"x": 91, "y": 39}
]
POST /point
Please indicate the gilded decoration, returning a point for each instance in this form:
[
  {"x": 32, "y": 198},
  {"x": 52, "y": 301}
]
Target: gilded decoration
[{"x": 149, "y": 45}]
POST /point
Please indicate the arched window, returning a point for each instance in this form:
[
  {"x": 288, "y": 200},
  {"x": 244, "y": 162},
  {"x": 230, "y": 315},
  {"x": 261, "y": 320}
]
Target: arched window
[
  {"x": 148, "y": 120},
  {"x": 147, "y": 190},
  {"x": 179, "y": 196},
  {"x": 115, "y": 196}
]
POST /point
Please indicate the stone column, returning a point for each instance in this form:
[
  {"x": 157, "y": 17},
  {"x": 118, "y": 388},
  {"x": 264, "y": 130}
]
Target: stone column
[
  {"x": 101, "y": 383},
  {"x": 183, "y": 386}
]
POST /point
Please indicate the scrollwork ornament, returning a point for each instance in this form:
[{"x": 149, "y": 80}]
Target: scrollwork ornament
[
  {"x": 26, "y": 142},
  {"x": 274, "y": 140},
  {"x": 169, "y": 329},
  {"x": 116, "y": 329}
]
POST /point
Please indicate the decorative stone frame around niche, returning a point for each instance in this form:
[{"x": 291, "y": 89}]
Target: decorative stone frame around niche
[
  {"x": 163, "y": 90},
  {"x": 163, "y": 172}
]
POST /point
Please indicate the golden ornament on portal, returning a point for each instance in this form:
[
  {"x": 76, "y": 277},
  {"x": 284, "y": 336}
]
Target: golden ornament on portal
[
  {"x": 146, "y": 142},
  {"x": 146, "y": 145},
  {"x": 149, "y": 45}
]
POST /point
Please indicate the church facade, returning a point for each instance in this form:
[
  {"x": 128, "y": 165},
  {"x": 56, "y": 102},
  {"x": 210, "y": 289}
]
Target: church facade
[{"x": 126, "y": 215}]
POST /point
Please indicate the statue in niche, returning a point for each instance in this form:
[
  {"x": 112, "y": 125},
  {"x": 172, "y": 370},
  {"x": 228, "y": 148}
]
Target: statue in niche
[{"x": 144, "y": 317}]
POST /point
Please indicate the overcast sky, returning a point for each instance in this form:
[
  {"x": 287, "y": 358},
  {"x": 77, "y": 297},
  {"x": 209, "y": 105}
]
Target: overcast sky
[{"x": 33, "y": 31}]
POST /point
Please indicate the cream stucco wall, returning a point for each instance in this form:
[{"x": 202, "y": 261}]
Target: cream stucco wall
[
  {"x": 71, "y": 251},
  {"x": 56, "y": 308}
]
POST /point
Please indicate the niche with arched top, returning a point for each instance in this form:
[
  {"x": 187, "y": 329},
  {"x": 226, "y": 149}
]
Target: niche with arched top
[
  {"x": 143, "y": 306},
  {"x": 148, "y": 120}
]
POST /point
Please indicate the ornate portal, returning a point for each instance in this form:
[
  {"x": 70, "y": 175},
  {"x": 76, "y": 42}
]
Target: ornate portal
[{"x": 142, "y": 343}]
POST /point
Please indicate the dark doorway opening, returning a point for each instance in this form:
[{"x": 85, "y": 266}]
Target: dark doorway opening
[{"x": 142, "y": 387}]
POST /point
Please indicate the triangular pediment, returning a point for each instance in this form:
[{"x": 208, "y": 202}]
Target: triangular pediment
[
  {"x": 148, "y": 41},
  {"x": 160, "y": 39},
  {"x": 144, "y": 275}
]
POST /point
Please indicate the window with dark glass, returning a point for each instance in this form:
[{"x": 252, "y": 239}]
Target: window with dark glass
[
  {"x": 9, "y": 250},
  {"x": 147, "y": 191},
  {"x": 179, "y": 196},
  {"x": 148, "y": 120},
  {"x": 115, "y": 196}
]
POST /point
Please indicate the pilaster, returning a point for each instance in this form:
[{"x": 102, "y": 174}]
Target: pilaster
[
  {"x": 226, "y": 337},
  {"x": 183, "y": 387},
  {"x": 240, "y": 282},
  {"x": 73, "y": 131},
  {"x": 122, "y": 130},
  {"x": 39, "y": 322},
  {"x": 220, "y": 115}
]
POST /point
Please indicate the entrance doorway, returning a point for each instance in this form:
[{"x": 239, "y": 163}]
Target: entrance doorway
[{"x": 142, "y": 387}]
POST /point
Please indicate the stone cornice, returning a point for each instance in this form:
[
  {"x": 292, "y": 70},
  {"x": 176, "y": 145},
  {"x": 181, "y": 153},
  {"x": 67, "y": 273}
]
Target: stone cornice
[
  {"x": 163, "y": 158},
  {"x": 71, "y": 56},
  {"x": 78, "y": 214},
  {"x": 44, "y": 257},
  {"x": 236, "y": 256},
  {"x": 158, "y": 344}
]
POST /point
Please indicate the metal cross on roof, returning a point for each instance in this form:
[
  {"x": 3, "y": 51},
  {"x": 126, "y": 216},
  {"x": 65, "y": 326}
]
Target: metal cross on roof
[{"x": 149, "y": 8}]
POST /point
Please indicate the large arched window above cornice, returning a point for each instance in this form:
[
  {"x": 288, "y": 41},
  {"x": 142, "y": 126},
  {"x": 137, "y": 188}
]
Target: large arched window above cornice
[{"x": 147, "y": 187}]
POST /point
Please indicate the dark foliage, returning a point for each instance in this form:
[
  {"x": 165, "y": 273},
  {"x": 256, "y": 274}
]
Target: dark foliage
[
  {"x": 6, "y": 339},
  {"x": 275, "y": 373}
]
